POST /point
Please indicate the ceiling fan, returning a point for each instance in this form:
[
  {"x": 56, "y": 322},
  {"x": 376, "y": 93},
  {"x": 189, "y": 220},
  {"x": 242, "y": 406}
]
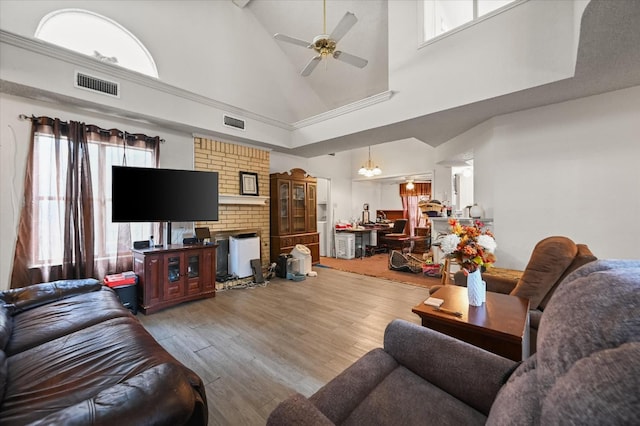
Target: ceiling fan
[{"x": 325, "y": 44}]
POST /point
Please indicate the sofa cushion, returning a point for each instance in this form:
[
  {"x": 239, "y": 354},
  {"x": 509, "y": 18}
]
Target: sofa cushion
[
  {"x": 3, "y": 373},
  {"x": 36, "y": 326},
  {"x": 404, "y": 398},
  {"x": 6, "y": 327},
  {"x": 588, "y": 340},
  {"x": 583, "y": 257},
  {"x": 21, "y": 299},
  {"x": 599, "y": 389},
  {"x": 298, "y": 410},
  {"x": 478, "y": 377},
  {"x": 160, "y": 395},
  {"x": 66, "y": 371},
  {"x": 357, "y": 381},
  {"x": 549, "y": 260}
]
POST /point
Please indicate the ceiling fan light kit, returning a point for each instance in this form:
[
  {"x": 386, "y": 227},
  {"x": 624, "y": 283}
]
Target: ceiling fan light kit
[{"x": 325, "y": 44}]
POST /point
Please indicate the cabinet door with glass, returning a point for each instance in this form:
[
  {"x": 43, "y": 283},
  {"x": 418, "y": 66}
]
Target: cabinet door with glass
[
  {"x": 193, "y": 264},
  {"x": 299, "y": 207},
  {"x": 312, "y": 201},
  {"x": 284, "y": 203},
  {"x": 173, "y": 280}
]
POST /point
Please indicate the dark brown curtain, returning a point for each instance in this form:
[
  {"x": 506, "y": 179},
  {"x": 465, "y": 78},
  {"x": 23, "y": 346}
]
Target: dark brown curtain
[{"x": 62, "y": 227}]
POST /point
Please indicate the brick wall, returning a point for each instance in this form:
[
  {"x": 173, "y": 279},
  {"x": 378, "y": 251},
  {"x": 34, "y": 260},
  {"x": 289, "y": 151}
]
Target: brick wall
[{"x": 229, "y": 160}]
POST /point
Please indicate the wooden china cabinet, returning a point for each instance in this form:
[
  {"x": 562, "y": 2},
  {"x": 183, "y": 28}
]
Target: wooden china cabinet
[{"x": 293, "y": 213}]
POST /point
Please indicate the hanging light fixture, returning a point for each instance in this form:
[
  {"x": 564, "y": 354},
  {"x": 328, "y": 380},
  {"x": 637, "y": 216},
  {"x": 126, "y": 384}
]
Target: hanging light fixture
[
  {"x": 368, "y": 169},
  {"x": 409, "y": 184}
]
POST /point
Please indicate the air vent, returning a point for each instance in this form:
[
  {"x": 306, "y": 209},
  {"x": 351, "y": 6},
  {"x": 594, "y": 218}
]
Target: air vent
[
  {"x": 94, "y": 84},
  {"x": 236, "y": 123}
]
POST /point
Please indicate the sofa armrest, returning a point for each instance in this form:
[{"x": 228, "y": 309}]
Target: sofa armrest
[
  {"x": 160, "y": 395},
  {"x": 21, "y": 299},
  {"x": 297, "y": 410},
  {"x": 467, "y": 372}
]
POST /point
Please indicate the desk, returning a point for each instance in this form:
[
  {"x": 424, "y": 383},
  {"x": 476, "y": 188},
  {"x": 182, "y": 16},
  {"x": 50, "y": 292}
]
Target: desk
[{"x": 500, "y": 325}]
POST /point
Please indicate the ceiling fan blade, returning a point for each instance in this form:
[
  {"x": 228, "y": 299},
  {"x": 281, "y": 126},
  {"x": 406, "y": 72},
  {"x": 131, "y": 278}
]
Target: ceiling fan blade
[
  {"x": 348, "y": 21},
  {"x": 313, "y": 63},
  {"x": 293, "y": 40},
  {"x": 356, "y": 61}
]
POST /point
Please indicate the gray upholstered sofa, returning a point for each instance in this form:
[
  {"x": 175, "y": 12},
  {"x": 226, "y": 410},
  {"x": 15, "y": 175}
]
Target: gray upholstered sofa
[{"x": 586, "y": 370}]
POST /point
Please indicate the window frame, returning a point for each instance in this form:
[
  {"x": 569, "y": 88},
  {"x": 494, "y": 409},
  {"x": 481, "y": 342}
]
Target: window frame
[
  {"x": 101, "y": 242},
  {"x": 124, "y": 31},
  {"x": 478, "y": 19}
]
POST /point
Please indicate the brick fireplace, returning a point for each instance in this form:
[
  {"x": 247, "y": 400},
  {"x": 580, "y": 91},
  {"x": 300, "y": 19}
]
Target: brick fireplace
[{"x": 238, "y": 214}]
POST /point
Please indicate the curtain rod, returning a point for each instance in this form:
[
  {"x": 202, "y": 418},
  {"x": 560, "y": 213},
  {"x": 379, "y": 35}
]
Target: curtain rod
[{"x": 24, "y": 117}]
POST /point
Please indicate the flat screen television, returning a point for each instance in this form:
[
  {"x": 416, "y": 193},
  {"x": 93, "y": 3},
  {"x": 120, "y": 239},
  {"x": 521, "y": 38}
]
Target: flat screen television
[{"x": 142, "y": 194}]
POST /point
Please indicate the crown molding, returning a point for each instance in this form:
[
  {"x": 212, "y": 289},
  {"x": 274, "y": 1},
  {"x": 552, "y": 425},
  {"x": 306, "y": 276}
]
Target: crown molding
[
  {"x": 87, "y": 62},
  {"x": 345, "y": 109}
]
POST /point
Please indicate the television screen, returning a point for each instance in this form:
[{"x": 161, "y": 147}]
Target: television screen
[{"x": 143, "y": 194}]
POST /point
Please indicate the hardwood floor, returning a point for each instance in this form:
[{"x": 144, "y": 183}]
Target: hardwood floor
[{"x": 254, "y": 347}]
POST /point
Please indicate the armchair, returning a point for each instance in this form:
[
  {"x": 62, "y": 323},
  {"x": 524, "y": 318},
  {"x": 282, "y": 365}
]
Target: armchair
[
  {"x": 585, "y": 372},
  {"x": 419, "y": 375},
  {"x": 552, "y": 259}
]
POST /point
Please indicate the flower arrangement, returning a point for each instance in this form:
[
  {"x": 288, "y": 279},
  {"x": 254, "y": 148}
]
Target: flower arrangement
[{"x": 470, "y": 246}]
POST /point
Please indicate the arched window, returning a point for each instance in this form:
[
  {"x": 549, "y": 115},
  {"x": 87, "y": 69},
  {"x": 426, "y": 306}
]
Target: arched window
[{"x": 95, "y": 35}]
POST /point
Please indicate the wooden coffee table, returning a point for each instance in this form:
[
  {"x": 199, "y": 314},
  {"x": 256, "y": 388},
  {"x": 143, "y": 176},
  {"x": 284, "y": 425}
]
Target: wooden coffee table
[{"x": 501, "y": 325}]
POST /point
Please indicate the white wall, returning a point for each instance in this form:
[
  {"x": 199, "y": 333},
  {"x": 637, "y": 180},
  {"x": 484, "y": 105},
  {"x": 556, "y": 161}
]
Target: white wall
[
  {"x": 176, "y": 153},
  {"x": 566, "y": 169},
  {"x": 390, "y": 197}
]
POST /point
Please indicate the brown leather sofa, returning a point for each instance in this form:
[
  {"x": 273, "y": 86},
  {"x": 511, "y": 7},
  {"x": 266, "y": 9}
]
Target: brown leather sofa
[
  {"x": 552, "y": 259},
  {"x": 70, "y": 353}
]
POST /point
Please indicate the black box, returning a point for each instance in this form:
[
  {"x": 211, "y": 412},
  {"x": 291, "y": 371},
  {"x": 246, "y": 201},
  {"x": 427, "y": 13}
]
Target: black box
[
  {"x": 128, "y": 295},
  {"x": 139, "y": 245},
  {"x": 281, "y": 265}
]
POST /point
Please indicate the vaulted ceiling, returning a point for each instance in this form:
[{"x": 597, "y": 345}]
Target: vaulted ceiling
[
  {"x": 335, "y": 82},
  {"x": 607, "y": 58}
]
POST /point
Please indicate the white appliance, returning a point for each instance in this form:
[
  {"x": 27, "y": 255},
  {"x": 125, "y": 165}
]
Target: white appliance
[
  {"x": 345, "y": 245},
  {"x": 241, "y": 251},
  {"x": 322, "y": 230}
]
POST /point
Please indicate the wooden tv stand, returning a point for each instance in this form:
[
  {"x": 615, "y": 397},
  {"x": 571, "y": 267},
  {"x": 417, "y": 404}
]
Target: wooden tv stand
[{"x": 174, "y": 274}]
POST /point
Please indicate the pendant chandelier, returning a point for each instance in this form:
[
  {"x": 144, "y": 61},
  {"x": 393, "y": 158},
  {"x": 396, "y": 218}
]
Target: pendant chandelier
[{"x": 368, "y": 169}]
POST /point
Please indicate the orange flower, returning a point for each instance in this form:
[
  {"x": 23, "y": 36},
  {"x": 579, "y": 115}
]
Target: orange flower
[{"x": 468, "y": 253}]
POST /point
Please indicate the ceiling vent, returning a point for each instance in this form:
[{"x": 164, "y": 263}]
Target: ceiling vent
[
  {"x": 95, "y": 84},
  {"x": 236, "y": 123}
]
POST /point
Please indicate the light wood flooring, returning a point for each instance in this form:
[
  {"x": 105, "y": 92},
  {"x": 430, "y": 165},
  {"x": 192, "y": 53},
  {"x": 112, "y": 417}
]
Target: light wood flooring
[{"x": 254, "y": 347}]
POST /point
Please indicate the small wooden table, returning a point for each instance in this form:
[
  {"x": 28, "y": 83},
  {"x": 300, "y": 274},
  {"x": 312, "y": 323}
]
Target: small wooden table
[{"x": 501, "y": 325}]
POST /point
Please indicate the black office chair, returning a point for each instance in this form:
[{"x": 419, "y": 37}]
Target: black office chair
[
  {"x": 396, "y": 238},
  {"x": 398, "y": 228}
]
